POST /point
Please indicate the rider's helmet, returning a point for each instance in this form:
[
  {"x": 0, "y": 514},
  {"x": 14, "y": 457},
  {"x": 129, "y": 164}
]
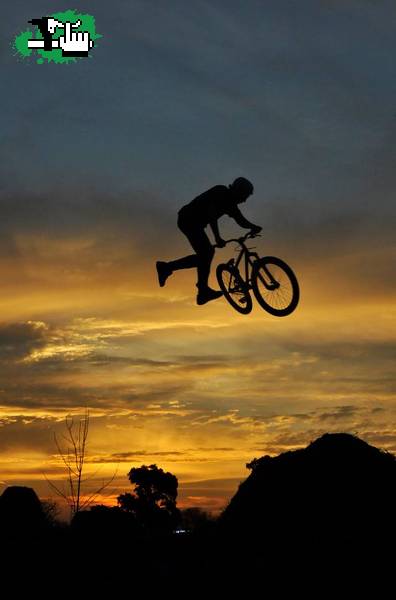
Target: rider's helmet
[{"x": 242, "y": 187}]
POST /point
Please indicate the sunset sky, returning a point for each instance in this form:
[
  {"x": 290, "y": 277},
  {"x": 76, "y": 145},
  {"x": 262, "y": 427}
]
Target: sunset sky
[{"x": 96, "y": 159}]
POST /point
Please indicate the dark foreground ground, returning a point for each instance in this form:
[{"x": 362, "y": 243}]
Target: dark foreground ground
[{"x": 198, "y": 564}]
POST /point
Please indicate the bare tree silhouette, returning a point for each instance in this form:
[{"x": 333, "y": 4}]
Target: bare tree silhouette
[{"x": 73, "y": 458}]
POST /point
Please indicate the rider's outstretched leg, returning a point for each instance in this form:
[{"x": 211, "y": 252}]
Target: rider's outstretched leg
[
  {"x": 163, "y": 272},
  {"x": 165, "y": 269},
  {"x": 201, "y": 260}
]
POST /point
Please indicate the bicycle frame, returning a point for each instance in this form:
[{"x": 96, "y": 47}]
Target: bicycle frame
[{"x": 245, "y": 256}]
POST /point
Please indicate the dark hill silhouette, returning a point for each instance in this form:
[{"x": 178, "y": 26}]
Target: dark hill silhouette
[{"x": 339, "y": 490}]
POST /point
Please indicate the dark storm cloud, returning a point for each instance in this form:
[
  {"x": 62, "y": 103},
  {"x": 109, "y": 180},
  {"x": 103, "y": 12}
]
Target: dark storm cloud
[
  {"x": 25, "y": 432},
  {"x": 351, "y": 350},
  {"x": 341, "y": 412},
  {"x": 18, "y": 340},
  {"x": 206, "y": 358},
  {"x": 193, "y": 363},
  {"x": 185, "y": 454},
  {"x": 62, "y": 363},
  {"x": 105, "y": 360},
  {"x": 309, "y": 348},
  {"x": 59, "y": 397},
  {"x": 127, "y": 455},
  {"x": 92, "y": 359},
  {"x": 338, "y": 412}
]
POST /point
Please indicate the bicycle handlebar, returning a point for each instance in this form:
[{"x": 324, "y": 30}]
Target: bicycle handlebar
[{"x": 241, "y": 239}]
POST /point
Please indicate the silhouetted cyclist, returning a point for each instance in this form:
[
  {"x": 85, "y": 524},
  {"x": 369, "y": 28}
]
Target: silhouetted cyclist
[{"x": 205, "y": 210}]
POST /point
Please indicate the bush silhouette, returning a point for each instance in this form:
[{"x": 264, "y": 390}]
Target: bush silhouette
[
  {"x": 105, "y": 522},
  {"x": 21, "y": 512}
]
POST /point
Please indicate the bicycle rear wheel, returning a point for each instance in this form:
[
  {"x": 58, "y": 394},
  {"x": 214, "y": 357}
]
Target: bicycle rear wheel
[
  {"x": 275, "y": 286},
  {"x": 234, "y": 288}
]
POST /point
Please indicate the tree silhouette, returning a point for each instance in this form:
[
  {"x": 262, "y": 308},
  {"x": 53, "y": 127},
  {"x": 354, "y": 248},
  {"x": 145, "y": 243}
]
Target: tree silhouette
[
  {"x": 73, "y": 458},
  {"x": 153, "y": 501}
]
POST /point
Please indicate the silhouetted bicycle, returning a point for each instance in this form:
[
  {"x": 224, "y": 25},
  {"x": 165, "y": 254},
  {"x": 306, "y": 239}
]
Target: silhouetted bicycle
[{"x": 274, "y": 284}]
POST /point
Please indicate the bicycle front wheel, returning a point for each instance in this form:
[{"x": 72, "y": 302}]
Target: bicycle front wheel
[
  {"x": 234, "y": 288},
  {"x": 275, "y": 286}
]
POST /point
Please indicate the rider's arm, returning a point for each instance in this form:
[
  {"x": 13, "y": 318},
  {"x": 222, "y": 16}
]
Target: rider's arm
[
  {"x": 215, "y": 228},
  {"x": 242, "y": 222}
]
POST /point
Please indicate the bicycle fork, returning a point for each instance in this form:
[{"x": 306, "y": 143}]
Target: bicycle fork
[
  {"x": 269, "y": 282},
  {"x": 272, "y": 284}
]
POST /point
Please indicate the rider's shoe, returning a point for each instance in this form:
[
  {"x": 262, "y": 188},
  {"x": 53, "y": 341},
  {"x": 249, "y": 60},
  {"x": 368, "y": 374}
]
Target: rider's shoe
[
  {"x": 206, "y": 295},
  {"x": 163, "y": 272}
]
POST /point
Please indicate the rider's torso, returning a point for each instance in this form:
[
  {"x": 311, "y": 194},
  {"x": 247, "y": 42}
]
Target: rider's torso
[{"x": 209, "y": 206}]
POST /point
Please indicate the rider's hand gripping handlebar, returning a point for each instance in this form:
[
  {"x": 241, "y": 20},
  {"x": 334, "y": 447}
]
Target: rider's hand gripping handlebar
[{"x": 248, "y": 235}]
